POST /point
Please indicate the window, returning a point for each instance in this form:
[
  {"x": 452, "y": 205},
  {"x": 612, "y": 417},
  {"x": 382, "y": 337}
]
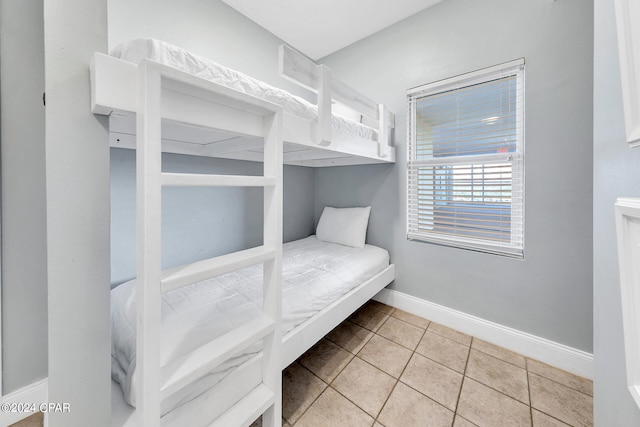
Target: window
[{"x": 465, "y": 161}]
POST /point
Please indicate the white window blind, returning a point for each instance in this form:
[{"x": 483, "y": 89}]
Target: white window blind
[{"x": 466, "y": 161}]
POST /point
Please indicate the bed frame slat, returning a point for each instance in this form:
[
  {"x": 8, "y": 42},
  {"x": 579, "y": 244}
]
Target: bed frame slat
[
  {"x": 210, "y": 180},
  {"x": 247, "y": 409},
  {"x": 304, "y": 72},
  {"x": 201, "y": 270},
  {"x": 201, "y": 361}
]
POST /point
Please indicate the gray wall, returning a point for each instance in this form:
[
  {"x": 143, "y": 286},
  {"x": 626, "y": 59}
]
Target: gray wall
[
  {"x": 24, "y": 273},
  {"x": 200, "y": 223},
  {"x": 549, "y": 293},
  {"x": 616, "y": 174},
  {"x": 77, "y": 164}
]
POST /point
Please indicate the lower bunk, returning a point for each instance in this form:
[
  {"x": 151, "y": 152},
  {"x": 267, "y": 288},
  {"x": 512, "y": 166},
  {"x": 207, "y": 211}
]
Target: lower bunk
[{"x": 323, "y": 283}]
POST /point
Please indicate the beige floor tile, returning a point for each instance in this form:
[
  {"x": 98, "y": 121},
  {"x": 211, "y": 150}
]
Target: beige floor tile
[
  {"x": 543, "y": 420},
  {"x": 486, "y": 407},
  {"x": 350, "y": 336},
  {"x": 386, "y": 309},
  {"x": 366, "y": 386},
  {"x": 408, "y": 408},
  {"x": 369, "y": 318},
  {"x": 326, "y": 360},
  {"x": 499, "y": 375},
  {"x": 443, "y": 350},
  {"x": 35, "y": 420},
  {"x": 434, "y": 380},
  {"x": 377, "y": 424},
  {"x": 452, "y": 334},
  {"x": 558, "y": 375},
  {"x": 411, "y": 318},
  {"x": 401, "y": 332},
  {"x": 299, "y": 389},
  {"x": 560, "y": 401},
  {"x": 461, "y": 422},
  {"x": 499, "y": 352},
  {"x": 386, "y": 355},
  {"x": 333, "y": 409},
  {"x": 258, "y": 423}
]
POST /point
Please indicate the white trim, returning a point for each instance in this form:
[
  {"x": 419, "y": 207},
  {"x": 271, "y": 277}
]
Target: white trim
[
  {"x": 469, "y": 78},
  {"x": 628, "y": 236},
  {"x": 423, "y": 193},
  {"x": 627, "y": 17},
  {"x": 564, "y": 357},
  {"x": 35, "y": 393}
]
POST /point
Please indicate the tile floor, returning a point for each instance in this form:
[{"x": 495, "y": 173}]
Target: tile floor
[
  {"x": 35, "y": 420},
  {"x": 385, "y": 367}
]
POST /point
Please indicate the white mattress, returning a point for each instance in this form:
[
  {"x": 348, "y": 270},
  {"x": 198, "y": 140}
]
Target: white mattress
[
  {"x": 314, "y": 274},
  {"x": 168, "y": 54}
]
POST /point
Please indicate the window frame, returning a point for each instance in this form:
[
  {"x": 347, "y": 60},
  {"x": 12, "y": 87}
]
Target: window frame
[{"x": 513, "y": 248}]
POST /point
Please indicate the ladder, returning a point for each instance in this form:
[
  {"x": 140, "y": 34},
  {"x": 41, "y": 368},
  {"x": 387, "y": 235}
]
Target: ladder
[{"x": 155, "y": 82}]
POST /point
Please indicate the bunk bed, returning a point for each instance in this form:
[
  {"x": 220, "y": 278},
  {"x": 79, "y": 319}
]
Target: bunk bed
[
  {"x": 312, "y": 135},
  {"x": 156, "y": 105}
]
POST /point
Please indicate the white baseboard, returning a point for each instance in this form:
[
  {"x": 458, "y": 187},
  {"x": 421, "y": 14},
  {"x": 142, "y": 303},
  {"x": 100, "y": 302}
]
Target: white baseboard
[
  {"x": 564, "y": 357},
  {"x": 35, "y": 393}
]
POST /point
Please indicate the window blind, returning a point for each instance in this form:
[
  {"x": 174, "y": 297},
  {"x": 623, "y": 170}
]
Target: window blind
[{"x": 465, "y": 161}]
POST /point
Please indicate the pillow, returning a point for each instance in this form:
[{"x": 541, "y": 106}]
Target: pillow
[{"x": 345, "y": 226}]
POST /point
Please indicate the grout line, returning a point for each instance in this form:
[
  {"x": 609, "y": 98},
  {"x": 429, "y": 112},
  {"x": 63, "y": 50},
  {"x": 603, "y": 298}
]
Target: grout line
[
  {"x": 464, "y": 376},
  {"x": 529, "y": 393},
  {"x": 493, "y": 388},
  {"x": 399, "y": 376},
  {"x": 363, "y": 345},
  {"x": 552, "y": 416},
  {"x": 330, "y": 385},
  {"x": 314, "y": 400},
  {"x": 496, "y": 390},
  {"x": 499, "y": 358},
  {"x": 449, "y": 338},
  {"x": 562, "y": 384}
]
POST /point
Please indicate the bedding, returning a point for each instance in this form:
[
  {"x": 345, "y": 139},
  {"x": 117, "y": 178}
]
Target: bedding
[
  {"x": 314, "y": 274},
  {"x": 173, "y": 56}
]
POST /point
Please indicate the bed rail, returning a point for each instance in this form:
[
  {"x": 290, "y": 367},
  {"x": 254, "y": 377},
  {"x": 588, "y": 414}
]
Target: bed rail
[
  {"x": 153, "y": 82},
  {"x": 319, "y": 79}
]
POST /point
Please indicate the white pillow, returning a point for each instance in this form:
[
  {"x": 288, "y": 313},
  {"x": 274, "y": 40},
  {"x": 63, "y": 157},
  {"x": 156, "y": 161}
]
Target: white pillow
[{"x": 345, "y": 226}]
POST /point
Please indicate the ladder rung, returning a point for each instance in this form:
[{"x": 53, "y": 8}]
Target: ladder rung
[
  {"x": 191, "y": 273},
  {"x": 205, "y": 358},
  {"x": 210, "y": 180},
  {"x": 247, "y": 409}
]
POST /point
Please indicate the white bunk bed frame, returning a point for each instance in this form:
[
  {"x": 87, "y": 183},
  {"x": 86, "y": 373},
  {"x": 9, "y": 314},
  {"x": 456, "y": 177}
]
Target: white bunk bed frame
[
  {"x": 254, "y": 388},
  {"x": 307, "y": 143}
]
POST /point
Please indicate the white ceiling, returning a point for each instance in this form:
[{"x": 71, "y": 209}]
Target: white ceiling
[{"x": 320, "y": 27}]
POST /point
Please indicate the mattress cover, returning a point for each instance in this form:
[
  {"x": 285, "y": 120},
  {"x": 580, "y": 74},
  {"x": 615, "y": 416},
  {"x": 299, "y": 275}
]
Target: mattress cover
[
  {"x": 314, "y": 274},
  {"x": 176, "y": 57}
]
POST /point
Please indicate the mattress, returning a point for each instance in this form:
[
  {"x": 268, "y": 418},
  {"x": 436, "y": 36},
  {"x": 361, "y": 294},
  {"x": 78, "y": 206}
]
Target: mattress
[
  {"x": 314, "y": 274},
  {"x": 173, "y": 56}
]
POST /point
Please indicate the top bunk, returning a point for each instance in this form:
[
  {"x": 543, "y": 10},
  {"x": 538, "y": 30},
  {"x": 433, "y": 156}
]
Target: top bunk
[{"x": 344, "y": 128}]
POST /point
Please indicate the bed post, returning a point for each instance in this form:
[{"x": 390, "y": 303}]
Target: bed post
[
  {"x": 323, "y": 131},
  {"x": 383, "y": 131},
  {"x": 272, "y": 287},
  {"x": 148, "y": 227}
]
